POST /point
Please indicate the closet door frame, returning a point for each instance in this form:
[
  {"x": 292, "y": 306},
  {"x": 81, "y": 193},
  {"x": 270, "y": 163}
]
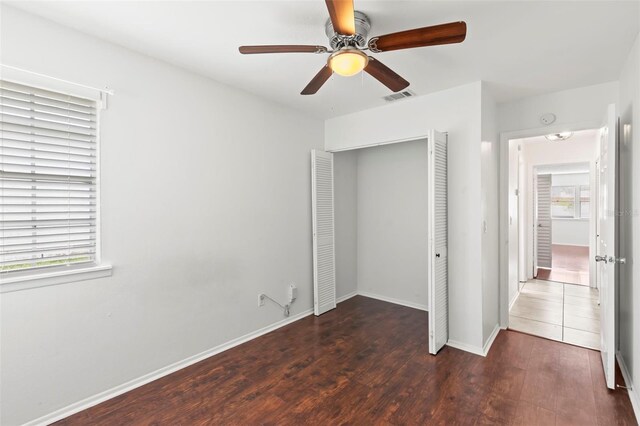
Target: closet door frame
[{"x": 430, "y": 137}]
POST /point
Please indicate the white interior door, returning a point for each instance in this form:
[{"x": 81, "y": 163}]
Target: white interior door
[
  {"x": 438, "y": 282},
  {"x": 324, "y": 261},
  {"x": 607, "y": 250},
  {"x": 543, "y": 221}
]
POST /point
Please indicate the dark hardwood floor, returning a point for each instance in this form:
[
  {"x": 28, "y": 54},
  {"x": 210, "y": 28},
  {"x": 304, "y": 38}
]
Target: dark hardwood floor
[
  {"x": 569, "y": 264},
  {"x": 367, "y": 363}
]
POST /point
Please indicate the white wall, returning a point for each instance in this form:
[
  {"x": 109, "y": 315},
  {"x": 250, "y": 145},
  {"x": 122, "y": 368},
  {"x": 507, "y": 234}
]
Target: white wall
[
  {"x": 581, "y": 105},
  {"x": 456, "y": 111},
  {"x": 392, "y": 222},
  {"x": 569, "y": 179},
  {"x": 489, "y": 155},
  {"x": 629, "y": 320},
  {"x": 206, "y": 203},
  {"x": 345, "y": 182},
  {"x": 570, "y": 232}
]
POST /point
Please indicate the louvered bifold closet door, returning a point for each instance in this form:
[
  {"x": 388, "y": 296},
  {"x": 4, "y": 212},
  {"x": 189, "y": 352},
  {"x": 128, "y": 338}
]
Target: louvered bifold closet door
[
  {"x": 543, "y": 197},
  {"x": 438, "y": 247},
  {"x": 324, "y": 271},
  {"x": 47, "y": 178}
]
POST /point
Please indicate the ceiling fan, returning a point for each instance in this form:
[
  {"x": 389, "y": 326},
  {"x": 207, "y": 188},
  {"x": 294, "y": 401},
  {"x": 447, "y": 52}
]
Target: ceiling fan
[{"x": 347, "y": 30}]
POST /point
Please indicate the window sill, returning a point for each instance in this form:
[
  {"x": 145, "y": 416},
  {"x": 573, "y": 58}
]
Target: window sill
[{"x": 10, "y": 284}]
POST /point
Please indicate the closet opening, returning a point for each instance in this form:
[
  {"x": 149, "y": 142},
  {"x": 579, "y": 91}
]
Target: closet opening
[{"x": 390, "y": 232}]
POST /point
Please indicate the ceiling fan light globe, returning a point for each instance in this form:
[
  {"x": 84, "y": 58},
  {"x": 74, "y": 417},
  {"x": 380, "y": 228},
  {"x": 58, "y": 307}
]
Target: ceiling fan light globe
[{"x": 348, "y": 62}]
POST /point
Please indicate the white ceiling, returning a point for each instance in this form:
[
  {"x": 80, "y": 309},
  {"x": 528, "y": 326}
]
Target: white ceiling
[{"x": 521, "y": 48}]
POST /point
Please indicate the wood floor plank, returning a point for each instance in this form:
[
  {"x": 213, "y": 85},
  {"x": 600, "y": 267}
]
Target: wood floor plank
[
  {"x": 609, "y": 407},
  {"x": 540, "y": 389},
  {"x": 367, "y": 363},
  {"x": 528, "y": 414}
]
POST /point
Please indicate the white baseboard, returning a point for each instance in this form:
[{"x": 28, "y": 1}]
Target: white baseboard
[
  {"x": 454, "y": 344},
  {"x": 571, "y": 245},
  {"x": 164, "y": 371},
  {"x": 396, "y": 301},
  {"x": 482, "y": 351},
  {"x": 514, "y": 300},
  {"x": 633, "y": 396},
  {"x": 346, "y": 296},
  {"x": 161, "y": 372},
  {"x": 492, "y": 337},
  {"x": 477, "y": 350}
]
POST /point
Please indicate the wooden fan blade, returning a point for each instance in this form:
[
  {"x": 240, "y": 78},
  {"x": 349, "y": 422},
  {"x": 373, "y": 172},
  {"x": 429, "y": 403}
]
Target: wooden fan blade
[
  {"x": 342, "y": 16},
  {"x": 385, "y": 75},
  {"x": 454, "y": 32},
  {"x": 316, "y": 83},
  {"x": 282, "y": 48}
]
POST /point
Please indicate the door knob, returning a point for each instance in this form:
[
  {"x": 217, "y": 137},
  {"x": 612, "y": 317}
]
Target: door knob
[{"x": 601, "y": 259}]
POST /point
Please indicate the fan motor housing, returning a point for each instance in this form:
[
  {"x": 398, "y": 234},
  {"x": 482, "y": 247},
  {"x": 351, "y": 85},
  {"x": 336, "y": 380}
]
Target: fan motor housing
[{"x": 363, "y": 25}]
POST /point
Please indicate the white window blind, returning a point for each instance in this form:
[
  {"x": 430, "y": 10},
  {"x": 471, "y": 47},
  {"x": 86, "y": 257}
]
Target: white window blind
[{"x": 48, "y": 169}]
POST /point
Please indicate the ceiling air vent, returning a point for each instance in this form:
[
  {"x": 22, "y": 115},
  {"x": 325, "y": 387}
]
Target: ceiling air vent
[{"x": 400, "y": 95}]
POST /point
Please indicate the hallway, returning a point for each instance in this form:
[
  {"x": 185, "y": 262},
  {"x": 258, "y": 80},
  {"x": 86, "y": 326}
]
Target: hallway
[{"x": 563, "y": 312}]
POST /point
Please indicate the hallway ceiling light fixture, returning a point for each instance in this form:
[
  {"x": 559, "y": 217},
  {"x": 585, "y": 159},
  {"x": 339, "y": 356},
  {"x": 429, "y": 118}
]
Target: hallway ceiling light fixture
[{"x": 562, "y": 136}]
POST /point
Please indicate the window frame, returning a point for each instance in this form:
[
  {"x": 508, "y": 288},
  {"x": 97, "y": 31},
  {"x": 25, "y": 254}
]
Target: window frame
[
  {"x": 16, "y": 280},
  {"x": 579, "y": 200}
]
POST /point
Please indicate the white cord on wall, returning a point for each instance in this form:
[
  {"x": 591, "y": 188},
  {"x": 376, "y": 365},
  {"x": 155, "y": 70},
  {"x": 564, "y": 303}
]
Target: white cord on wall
[{"x": 286, "y": 307}]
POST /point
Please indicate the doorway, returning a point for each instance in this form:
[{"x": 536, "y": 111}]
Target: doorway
[
  {"x": 605, "y": 260},
  {"x": 563, "y": 220},
  {"x": 556, "y": 295}
]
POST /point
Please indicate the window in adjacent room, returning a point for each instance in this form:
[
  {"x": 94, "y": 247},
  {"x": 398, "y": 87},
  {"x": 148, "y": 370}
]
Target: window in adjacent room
[
  {"x": 563, "y": 201},
  {"x": 48, "y": 179},
  {"x": 570, "y": 201}
]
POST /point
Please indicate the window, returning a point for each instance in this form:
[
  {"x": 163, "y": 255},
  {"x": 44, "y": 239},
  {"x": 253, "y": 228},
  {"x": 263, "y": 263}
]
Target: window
[
  {"x": 570, "y": 201},
  {"x": 563, "y": 201},
  {"x": 48, "y": 170}
]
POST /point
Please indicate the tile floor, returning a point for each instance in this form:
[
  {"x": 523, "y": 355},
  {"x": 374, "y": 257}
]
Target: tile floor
[{"x": 565, "y": 312}]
